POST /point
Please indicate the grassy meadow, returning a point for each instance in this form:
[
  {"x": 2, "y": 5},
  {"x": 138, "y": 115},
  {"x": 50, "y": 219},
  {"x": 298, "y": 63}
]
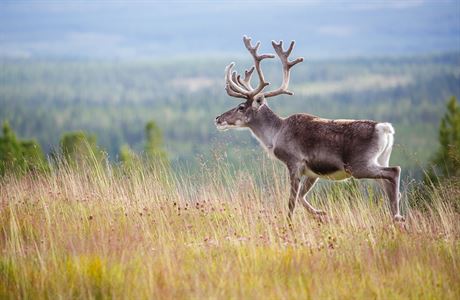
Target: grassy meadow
[{"x": 138, "y": 234}]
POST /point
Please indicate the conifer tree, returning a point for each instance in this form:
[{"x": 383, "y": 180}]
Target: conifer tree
[
  {"x": 154, "y": 143},
  {"x": 18, "y": 156},
  {"x": 78, "y": 147},
  {"x": 447, "y": 159}
]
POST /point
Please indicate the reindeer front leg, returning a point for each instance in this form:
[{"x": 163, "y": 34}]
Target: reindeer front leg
[
  {"x": 307, "y": 185},
  {"x": 295, "y": 186},
  {"x": 300, "y": 189}
]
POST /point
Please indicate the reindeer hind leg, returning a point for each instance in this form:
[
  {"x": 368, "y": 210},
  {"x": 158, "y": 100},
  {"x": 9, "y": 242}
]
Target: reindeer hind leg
[
  {"x": 391, "y": 190},
  {"x": 388, "y": 176}
]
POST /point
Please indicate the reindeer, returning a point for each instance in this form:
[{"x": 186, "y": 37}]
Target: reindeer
[{"x": 311, "y": 147}]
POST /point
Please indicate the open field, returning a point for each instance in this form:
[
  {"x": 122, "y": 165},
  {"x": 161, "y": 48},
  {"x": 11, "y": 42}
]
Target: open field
[{"x": 101, "y": 234}]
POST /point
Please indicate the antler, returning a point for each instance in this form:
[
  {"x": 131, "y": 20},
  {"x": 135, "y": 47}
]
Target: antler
[
  {"x": 287, "y": 65},
  {"x": 241, "y": 88}
]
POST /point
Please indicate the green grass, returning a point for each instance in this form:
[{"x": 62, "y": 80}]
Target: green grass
[{"x": 144, "y": 234}]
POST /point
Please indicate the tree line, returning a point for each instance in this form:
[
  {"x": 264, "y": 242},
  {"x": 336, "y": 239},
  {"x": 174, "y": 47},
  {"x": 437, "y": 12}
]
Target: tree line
[
  {"x": 78, "y": 148},
  {"x": 114, "y": 100},
  {"x": 20, "y": 157}
]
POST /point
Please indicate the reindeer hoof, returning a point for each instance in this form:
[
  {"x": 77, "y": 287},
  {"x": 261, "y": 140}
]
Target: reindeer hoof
[
  {"x": 321, "y": 216},
  {"x": 399, "y": 219}
]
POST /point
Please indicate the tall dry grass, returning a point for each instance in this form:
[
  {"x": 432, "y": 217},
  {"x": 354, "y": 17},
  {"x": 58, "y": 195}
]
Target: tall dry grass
[{"x": 103, "y": 233}]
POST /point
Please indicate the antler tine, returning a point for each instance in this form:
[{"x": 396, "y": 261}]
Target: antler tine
[
  {"x": 288, "y": 52},
  {"x": 257, "y": 59},
  {"x": 248, "y": 74},
  {"x": 235, "y": 79},
  {"x": 229, "y": 79},
  {"x": 233, "y": 90},
  {"x": 287, "y": 65},
  {"x": 246, "y": 82},
  {"x": 241, "y": 82}
]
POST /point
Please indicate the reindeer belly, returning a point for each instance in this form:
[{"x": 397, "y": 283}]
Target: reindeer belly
[{"x": 325, "y": 170}]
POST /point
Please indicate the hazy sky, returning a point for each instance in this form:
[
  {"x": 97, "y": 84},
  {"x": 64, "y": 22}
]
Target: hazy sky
[{"x": 138, "y": 29}]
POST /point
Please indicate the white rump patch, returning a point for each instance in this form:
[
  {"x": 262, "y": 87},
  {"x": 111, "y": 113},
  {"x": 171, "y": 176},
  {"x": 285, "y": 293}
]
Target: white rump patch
[
  {"x": 385, "y": 133},
  {"x": 385, "y": 128}
]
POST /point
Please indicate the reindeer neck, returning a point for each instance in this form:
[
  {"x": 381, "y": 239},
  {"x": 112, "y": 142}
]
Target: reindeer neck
[{"x": 265, "y": 125}]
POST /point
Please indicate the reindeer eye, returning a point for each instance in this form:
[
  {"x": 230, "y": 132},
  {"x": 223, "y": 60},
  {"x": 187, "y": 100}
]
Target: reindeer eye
[{"x": 240, "y": 108}]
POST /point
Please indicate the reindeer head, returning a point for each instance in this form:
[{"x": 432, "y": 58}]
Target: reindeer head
[{"x": 239, "y": 87}]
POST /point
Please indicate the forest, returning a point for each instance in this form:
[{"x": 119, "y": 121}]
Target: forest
[{"x": 113, "y": 100}]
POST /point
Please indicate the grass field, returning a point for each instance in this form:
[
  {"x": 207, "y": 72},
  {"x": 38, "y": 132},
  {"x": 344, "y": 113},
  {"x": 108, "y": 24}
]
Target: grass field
[{"x": 143, "y": 234}]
